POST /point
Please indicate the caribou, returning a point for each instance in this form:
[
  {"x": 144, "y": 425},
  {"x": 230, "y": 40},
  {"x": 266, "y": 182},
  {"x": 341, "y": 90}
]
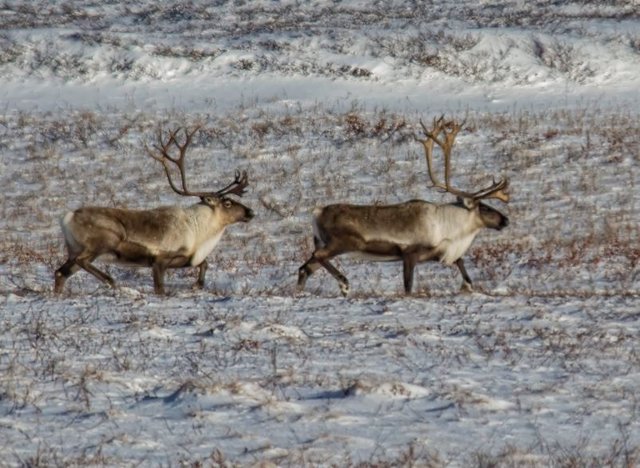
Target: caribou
[
  {"x": 160, "y": 238},
  {"x": 412, "y": 232}
]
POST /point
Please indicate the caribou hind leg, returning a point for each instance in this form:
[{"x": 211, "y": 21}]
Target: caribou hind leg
[
  {"x": 306, "y": 270},
  {"x": 311, "y": 265},
  {"x": 322, "y": 255},
  {"x": 342, "y": 280},
  {"x": 67, "y": 269},
  {"x": 72, "y": 265},
  {"x": 85, "y": 264}
]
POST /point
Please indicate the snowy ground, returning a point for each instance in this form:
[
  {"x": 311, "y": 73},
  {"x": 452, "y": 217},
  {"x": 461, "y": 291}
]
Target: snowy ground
[{"x": 318, "y": 101}]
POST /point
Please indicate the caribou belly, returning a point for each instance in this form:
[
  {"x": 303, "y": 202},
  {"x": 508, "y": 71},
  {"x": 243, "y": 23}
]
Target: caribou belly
[
  {"x": 113, "y": 259},
  {"x": 372, "y": 257}
]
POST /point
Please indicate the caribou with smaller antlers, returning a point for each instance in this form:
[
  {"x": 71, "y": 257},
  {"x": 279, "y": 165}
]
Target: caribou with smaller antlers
[
  {"x": 412, "y": 232},
  {"x": 160, "y": 238}
]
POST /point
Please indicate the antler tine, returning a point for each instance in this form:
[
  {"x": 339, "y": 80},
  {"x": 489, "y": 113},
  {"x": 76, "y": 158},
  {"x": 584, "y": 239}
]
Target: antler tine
[
  {"x": 432, "y": 136},
  {"x": 447, "y": 145},
  {"x": 496, "y": 190},
  {"x": 438, "y": 126},
  {"x": 237, "y": 187},
  {"x": 162, "y": 147},
  {"x": 182, "y": 149}
]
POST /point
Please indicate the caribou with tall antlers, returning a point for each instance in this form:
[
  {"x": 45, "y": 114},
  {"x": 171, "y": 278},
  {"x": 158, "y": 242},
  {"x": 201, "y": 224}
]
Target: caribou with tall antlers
[
  {"x": 412, "y": 232},
  {"x": 160, "y": 238}
]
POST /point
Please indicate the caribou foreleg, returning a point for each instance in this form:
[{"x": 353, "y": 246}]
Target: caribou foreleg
[{"x": 467, "y": 286}]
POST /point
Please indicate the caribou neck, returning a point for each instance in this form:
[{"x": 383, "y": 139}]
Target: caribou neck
[{"x": 206, "y": 221}]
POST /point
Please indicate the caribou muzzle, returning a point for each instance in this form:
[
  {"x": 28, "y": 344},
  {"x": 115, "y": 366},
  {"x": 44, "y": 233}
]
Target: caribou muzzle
[{"x": 248, "y": 215}]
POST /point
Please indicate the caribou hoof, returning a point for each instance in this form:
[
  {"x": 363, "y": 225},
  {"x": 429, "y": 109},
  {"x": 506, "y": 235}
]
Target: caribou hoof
[{"x": 466, "y": 288}]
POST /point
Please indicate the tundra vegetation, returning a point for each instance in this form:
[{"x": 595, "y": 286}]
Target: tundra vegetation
[{"x": 540, "y": 366}]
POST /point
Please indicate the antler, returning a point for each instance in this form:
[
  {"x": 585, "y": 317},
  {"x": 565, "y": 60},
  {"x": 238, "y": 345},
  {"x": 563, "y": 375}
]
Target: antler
[
  {"x": 237, "y": 187},
  {"x": 162, "y": 147},
  {"x": 427, "y": 143},
  {"x": 496, "y": 190}
]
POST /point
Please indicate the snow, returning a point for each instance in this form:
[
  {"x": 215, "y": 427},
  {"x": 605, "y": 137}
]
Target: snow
[{"x": 318, "y": 101}]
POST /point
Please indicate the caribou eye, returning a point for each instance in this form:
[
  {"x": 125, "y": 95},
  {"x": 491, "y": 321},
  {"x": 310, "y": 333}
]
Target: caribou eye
[{"x": 227, "y": 203}]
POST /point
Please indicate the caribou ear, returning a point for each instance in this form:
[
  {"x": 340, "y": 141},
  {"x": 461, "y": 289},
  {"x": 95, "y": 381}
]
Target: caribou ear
[
  {"x": 468, "y": 203},
  {"x": 210, "y": 200}
]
